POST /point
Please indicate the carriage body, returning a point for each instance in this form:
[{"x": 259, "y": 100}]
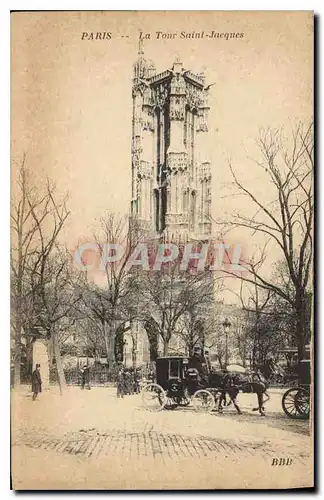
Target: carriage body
[
  {"x": 304, "y": 373},
  {"x": 170, "y": 373},
  {"x": 173, "y": 375},
  {"x": 296, "y": 400},
  {"x": 176, "y": 385}
]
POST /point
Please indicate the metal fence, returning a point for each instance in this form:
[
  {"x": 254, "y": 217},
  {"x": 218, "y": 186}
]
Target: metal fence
[{"x": 100, "y": 375}]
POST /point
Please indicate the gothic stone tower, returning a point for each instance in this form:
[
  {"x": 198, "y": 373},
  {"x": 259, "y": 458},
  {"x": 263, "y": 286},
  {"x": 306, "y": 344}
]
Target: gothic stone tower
[{"x": 171, "y": 173}]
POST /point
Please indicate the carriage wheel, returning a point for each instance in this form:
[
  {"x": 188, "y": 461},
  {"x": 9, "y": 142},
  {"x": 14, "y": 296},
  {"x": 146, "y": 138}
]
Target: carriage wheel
[
  {"x": 302, "y": 402},
  {"x": 203, "y": 401},
  {"x": 295, "y": 403},
  {"x": 153, "y": 397}
]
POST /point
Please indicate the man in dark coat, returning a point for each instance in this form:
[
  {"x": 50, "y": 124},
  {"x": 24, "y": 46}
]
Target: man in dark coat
[
  {"x": 129, "y": 384},
  {"x": 85, "y": 380},
  {"x": 36, "y": 382},
  {"x": 197, "y": 361},
  {"x": 120, "y": 381},
  {"x": 207, "y": 361},
  {"x": 137, "y": 378}
]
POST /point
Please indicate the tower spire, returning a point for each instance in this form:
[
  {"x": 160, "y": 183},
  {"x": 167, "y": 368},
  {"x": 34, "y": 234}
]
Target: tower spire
[
  {"x": 140, "y": 47},
  {"x": 141, "y": 65}
]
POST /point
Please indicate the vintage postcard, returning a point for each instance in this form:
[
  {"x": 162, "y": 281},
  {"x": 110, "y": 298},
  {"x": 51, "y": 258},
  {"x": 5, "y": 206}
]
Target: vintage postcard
[{"x": 162, "y": 250}]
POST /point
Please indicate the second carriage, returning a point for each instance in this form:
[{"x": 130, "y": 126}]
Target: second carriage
[
  {"x": 178, "y": 385},
  {"x": 296, "y": 400}
]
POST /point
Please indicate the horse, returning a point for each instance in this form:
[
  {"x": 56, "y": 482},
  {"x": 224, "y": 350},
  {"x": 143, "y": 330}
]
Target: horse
[{"x": 231, "y": 383}]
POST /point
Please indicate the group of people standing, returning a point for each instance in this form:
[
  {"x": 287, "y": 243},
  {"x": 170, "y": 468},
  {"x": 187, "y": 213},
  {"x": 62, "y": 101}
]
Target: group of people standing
[{"x": 128, "y": 381}]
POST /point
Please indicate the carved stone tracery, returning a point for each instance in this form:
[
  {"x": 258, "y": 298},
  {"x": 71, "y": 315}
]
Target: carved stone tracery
[
  {"x": 177, "y": 108},
  {"x": 144, "y": 170},
  {"x": 177, "y": 162},
  {"x": 160, "y": 95},
  {"x": 204, "y": 172},
  {"x": 193, "y": 97},
  {"x": 177, "y": 218}
]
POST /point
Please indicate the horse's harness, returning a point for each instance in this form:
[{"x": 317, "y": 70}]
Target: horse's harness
[{"x": 250, "y": 378}]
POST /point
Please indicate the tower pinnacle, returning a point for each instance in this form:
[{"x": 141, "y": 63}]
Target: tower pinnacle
[
  {"x": 140, "y": 47},
  {"x": 177, "y": 65}
]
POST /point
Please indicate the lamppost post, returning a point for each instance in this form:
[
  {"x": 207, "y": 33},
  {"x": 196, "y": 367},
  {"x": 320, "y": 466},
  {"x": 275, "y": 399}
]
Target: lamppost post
[
  {"x": 227, "y": 326},
  {"x": 125, "y": 351}
]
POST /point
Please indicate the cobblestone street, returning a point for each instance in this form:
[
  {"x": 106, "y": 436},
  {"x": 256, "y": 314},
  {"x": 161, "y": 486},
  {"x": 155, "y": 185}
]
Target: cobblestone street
[
  {"x": 93, "y": 431},
  {"x": 153, "y": 444}
]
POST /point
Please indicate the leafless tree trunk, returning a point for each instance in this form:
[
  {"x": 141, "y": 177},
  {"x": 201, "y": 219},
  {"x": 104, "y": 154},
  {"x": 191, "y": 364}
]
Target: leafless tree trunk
[{"x": 59, "y": 364}]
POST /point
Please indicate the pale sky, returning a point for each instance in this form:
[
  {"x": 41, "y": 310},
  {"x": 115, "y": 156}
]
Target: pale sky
[{"x": 71, "y": 98}]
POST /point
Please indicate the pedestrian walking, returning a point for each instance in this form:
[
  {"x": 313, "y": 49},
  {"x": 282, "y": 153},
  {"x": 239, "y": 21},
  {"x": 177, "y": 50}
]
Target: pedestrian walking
[
  {"x": 85, "y": 377},
  {"x": 36, "y": 382},
  {"x": 120, "y": 381},
  {"x": 128, "y": 382},
  {"x": 137, "y": 379},
  {"x": 132, "y": 380}
]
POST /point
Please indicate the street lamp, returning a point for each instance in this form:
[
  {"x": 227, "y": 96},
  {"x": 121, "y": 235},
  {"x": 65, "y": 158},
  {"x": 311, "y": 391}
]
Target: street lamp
[
  {"x": 226, "y": 326},
  {"x": 125, "y": 351}
]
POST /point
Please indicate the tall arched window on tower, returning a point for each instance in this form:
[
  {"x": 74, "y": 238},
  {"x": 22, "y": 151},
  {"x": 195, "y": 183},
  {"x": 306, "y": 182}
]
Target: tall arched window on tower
[
  {"x": 139, "y": 199},
  {"x": 158, "y": 144},
  {"x": 168, "y": 199},
  {"x": 192, "y": 210},
  {"x": 156, "y": 209},
  {"x": 202, "y": 202},
  {"x": 185, "y": 128},
  {"x": 185, "y": 200},
  {"x": 192, "y": 143}
]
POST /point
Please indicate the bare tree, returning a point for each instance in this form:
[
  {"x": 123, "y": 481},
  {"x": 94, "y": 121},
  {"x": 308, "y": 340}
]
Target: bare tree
[
  {"x": 111, "y": 304},
  {"x": 168, "y": 296},
  {"x": 198, "y": 325},
  {"x": 96, "y": 308},
  {"x": 254, "y": 303},
  {"x": 286, "y": 221},
  {"x": 36, "y": 221}
]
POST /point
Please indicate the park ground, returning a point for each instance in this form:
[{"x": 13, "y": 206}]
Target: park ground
[{"x": 92, "y": 440}]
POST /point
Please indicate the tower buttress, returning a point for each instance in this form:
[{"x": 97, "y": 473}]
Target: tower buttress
[{"x": 142, "y": 140}]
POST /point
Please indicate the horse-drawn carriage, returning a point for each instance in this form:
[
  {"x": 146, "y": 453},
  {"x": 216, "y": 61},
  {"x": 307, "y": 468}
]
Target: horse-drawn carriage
[
  {"x": 177, "y": 385},
  {"x": 296, "y": 400}
]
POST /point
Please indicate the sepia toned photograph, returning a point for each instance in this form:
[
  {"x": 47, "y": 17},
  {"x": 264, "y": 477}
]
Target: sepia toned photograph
[{"x": 162, "y": 220}]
